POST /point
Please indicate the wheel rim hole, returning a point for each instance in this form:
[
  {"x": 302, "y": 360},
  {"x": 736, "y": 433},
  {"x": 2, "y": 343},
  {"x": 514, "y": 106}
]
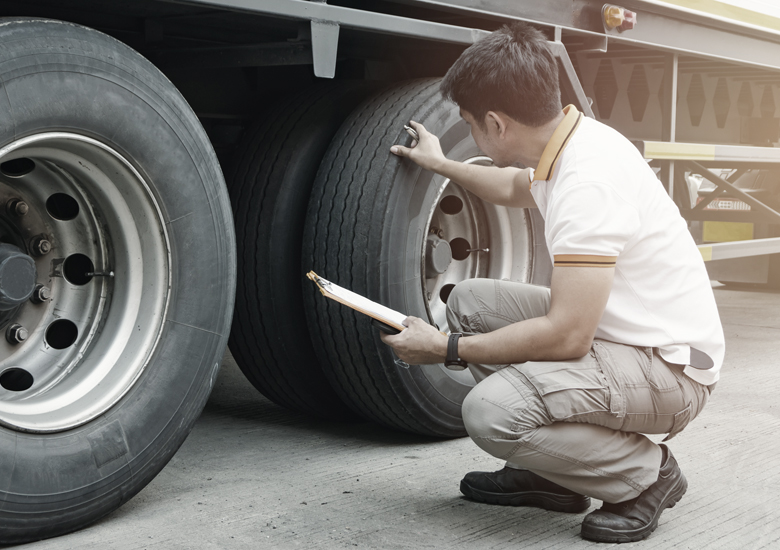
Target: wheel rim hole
[
  {"x": 17, "y": 168},
  {"x": 76, "y": 267},
  {"x": 445, "y": 292},
  {"x": 451, "y": 205},
  {"x": 16, "y": 379},
  {"x": 460, "y": 248},
  {"x": 62, "y": 207},
  {"x": 61, "y": 334}
]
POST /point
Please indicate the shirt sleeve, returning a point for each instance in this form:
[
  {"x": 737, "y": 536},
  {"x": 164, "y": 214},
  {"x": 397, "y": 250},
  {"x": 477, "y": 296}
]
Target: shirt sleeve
[{"x": 589, "y": 226}]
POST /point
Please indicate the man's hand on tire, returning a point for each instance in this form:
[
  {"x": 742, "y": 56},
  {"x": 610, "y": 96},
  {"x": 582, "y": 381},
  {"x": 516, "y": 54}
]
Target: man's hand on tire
[{"x": 427, "y": 153}]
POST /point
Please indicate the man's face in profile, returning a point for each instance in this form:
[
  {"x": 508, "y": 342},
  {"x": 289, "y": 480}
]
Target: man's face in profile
[{"x": 488, "y": 141}]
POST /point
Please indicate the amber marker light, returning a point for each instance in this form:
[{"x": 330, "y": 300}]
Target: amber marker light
[{"x": 617, "y": 18}]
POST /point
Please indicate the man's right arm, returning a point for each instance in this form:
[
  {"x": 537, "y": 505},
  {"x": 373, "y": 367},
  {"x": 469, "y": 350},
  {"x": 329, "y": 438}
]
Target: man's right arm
[{"x": 503, "y": 186}]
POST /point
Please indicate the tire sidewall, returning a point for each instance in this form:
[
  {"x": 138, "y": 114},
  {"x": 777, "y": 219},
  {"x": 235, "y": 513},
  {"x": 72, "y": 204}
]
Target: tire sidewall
[{"x": 414, "y": 194}]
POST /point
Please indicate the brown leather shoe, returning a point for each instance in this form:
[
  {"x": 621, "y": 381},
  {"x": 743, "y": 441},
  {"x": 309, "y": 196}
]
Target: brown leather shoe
[
  {"x": 635, "y": 519},
  {"x": 511, "y": 487}
]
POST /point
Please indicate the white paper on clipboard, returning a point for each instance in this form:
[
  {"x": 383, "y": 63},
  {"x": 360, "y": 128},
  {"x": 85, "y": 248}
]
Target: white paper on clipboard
[{"x": 358, "y": 303}]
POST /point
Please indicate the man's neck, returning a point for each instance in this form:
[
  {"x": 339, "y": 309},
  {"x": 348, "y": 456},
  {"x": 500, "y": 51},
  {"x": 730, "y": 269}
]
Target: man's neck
[{"x": 536, "y": 139}]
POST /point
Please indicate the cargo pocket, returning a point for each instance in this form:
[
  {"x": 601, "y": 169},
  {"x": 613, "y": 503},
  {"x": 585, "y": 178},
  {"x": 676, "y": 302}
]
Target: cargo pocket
[
  {"x": 570, "y": 390},
  {"x": 681, "y": 420}
]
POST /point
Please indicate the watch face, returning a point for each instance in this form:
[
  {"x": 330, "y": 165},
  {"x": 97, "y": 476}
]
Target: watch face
[{"x": 455, "y": 366}]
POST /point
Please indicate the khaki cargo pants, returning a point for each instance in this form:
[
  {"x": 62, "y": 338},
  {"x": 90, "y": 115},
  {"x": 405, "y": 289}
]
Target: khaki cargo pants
[{"x": 578, "y": 423}]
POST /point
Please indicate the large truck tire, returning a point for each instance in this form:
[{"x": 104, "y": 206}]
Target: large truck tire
[
  {"x": 112, "y": 191},
  {"x": 382, "y": 227},
  {"x": 270, "y": 182}
]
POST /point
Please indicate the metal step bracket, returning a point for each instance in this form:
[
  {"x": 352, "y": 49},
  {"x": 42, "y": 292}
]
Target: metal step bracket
[{"x": 324, "y": 47}]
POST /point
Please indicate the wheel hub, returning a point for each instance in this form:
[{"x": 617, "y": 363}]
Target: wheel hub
[
  {"x": 17, "y": 277},
  {"x": 84, "y": 279},
  {"x": 469, "y": 238},
  {"x": 438, "y": 256},
  {"x": 457, "y": 233}
]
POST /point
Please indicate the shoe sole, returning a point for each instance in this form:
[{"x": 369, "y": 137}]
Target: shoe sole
[
  {"x": 572, "y": 504},
  {"x": 604, "y": 534}
]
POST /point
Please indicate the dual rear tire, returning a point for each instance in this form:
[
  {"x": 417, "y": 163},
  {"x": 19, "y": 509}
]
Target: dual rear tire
[{"x": 372, "y": 224}]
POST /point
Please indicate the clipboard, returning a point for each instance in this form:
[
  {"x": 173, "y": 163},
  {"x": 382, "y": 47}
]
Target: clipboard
[{"x": 385, "y": 319}]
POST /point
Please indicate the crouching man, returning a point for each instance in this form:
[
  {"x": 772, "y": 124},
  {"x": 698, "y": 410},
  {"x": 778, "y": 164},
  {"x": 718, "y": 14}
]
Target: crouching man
[{"x": 626, "y": 341}]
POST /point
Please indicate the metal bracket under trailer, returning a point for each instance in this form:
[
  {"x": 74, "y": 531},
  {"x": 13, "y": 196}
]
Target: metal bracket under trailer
[{"x": 697, "y": 158}]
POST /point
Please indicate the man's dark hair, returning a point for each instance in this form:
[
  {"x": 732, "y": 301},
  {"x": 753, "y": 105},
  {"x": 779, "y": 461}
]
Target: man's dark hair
[{"x": 511, "y": 70}]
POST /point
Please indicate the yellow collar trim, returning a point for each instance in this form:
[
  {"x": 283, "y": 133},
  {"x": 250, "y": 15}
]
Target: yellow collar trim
[{"x": 556, "y": 145}]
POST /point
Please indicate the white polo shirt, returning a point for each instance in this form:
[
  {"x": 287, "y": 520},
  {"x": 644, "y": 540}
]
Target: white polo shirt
[{"x": 603, "y": 206}]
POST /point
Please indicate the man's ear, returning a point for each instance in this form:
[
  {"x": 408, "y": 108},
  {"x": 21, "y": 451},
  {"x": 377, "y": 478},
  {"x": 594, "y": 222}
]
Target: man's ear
[{"x": 495, "y": 123}]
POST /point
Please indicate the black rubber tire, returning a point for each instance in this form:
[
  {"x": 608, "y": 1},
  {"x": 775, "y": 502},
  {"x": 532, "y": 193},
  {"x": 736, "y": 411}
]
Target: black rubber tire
[
  {"x": 62, "y": 77},
  {"x": 270, "y": 181},
  {"x": 365, "y": 230}
]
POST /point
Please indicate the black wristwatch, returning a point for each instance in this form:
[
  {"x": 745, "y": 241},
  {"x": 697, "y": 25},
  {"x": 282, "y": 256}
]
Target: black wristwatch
[{"x": 453, "y": 361}]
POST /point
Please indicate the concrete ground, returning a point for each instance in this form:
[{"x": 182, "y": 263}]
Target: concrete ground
[{"x": 253, "y": 475}]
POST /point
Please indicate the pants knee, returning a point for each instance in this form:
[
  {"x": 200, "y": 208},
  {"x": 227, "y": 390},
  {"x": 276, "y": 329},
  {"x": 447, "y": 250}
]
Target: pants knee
[
  {"x": 488, "y": 421},
  {"x": 497, "y": 415},
  {"x": 461, "y": 305},
  {"x": 480, "y": 416}
]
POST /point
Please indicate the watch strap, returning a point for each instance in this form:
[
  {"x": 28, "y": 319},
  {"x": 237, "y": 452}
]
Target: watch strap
[{"x": 453, "y": 361}]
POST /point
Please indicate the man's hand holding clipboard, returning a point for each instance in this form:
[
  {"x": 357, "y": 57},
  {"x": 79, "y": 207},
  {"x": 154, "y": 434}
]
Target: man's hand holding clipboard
[{"x": 415, "y": 341}]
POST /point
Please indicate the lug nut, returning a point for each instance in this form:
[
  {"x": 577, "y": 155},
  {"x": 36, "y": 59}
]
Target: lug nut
[
  {"x": 17, "y": 207},
  {"x": 41, "y": 246},
  {"x": 16, "y": 334},
  {"x": 40, "y": 294}
]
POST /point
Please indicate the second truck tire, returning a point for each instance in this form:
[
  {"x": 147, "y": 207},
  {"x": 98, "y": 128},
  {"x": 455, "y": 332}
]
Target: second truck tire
[
  {"x": 270, "y": 182},
  {"x": 402, "y": 236}
]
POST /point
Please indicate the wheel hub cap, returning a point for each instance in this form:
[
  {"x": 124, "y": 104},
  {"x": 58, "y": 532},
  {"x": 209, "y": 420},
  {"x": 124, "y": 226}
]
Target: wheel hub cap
[
  {"x": 17, "y": 277},
  {"x": 438, "y": 256}
]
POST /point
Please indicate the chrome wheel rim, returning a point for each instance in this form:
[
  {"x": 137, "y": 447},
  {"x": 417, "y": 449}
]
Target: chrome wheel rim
[
  {"x": 107, "y": 273},
  {"x": 486, "y": 240}
]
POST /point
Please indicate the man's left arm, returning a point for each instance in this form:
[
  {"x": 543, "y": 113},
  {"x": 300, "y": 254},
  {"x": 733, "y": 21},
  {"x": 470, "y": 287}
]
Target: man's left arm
[{"x": 578, "y": 298}]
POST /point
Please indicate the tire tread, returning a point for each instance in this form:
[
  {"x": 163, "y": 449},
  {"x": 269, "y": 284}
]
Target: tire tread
[
  {"x": 344, "y": 227},
  {"x": 259, "y": 347}
]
